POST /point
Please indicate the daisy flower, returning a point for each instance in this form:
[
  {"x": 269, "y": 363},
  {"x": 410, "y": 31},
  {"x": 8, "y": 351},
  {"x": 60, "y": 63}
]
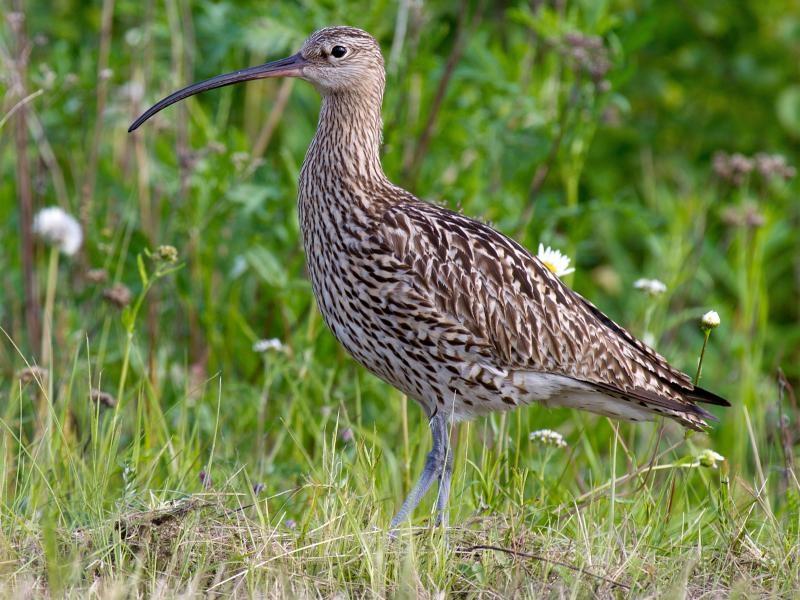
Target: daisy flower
[
  {"x": 556, "y": 262},
  {"x": 267, "y": 345},
  {"x": 651, "y": 287}
]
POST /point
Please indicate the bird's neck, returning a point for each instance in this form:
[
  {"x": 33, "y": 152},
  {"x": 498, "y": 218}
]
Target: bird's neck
[{"x": 347, "y": 143}]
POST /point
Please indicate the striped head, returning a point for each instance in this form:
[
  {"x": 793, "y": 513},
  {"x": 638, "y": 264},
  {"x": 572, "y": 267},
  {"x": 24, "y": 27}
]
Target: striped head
[{"x": 343, "y": 59}]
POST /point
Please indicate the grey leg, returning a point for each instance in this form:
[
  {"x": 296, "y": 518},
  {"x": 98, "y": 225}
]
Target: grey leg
[
  {"x": 444, "y": 488},
  {"x": 435, "y": 465}
]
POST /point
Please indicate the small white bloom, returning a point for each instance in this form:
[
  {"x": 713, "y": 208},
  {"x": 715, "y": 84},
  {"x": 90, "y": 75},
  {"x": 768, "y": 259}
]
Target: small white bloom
[
  {"x": 548, "y": 437},
  {"x": 267, "y": 345},
  {"x": 555, "y": 261},
  {"x": 56, "y": 226},
  {"x": 709, "y": 458},
  {"x": 651, "y": 287},
  {"x": 710, "y": 320}
]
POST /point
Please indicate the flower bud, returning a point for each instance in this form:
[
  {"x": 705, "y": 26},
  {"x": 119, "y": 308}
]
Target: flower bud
[{"x": 709, "y": 321}]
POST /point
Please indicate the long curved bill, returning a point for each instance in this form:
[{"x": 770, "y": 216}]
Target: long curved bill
[{"x": 286, "y": 67}]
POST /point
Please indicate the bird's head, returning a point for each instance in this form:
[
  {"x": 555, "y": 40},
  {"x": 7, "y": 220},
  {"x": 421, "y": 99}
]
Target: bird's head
[
  {"x": 341, "y": 59},
  {"x": 335, "y": 59}
]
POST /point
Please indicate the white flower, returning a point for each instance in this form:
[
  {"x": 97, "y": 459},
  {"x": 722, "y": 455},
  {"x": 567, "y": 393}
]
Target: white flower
[
  {"x": 651, "y": 287},
  {"x": 708, "y": 458},
  {"x": 555, "y": 261},
  {"x": 267, "y": 345},
  {"x": 56, "y": 226},
  {"x": 710, "y": 320},
  {"x": 548, "y": 437}
]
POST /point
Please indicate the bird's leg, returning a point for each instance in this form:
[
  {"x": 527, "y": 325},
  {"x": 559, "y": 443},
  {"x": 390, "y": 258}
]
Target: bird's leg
[
  {"x": 435, "y": 465},
  {"x": 445, "y": 477}
]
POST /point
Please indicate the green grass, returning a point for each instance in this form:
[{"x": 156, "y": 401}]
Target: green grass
[{"x": 214, "y": 468}]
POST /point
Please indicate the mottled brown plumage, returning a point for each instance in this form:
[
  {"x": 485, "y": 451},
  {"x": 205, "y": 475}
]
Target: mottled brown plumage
[{"x": 445, "y": 308}]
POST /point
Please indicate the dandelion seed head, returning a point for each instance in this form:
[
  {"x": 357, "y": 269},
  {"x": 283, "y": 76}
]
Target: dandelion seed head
[
  {"x": 57, "y": 227},
  {"x": 651, "y": 287},
  {"x": 709, "y": 321},
  {"x": 556, "y": 262},
  {"x": 548, "y": 437}
]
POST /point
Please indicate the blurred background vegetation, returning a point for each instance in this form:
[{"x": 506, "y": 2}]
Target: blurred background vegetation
[{"x": 607, "y": 129}]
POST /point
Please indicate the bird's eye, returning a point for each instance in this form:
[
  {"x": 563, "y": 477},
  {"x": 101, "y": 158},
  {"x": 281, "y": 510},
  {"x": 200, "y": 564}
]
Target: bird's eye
[{"x": 338, "y": 51}]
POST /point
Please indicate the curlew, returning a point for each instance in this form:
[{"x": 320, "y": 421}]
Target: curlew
[{"x": 445, "y": 308}]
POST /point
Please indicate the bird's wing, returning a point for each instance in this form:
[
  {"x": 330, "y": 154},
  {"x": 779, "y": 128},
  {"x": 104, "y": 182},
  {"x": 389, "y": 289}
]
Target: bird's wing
[{"x": 509, "y": 300}]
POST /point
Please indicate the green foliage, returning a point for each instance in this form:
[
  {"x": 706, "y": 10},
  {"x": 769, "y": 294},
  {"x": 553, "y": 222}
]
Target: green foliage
[{"x": 589, "y": 126}]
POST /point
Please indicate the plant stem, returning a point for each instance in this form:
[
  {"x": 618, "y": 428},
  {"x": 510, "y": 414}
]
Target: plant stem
[
  {"x": 707, "y": 334},
  {"x": 24, "y": 186},
  {"x": 49, "y": 305},
  {"x": 87, "y": 199},
  {"x": 125, "y": 361}
]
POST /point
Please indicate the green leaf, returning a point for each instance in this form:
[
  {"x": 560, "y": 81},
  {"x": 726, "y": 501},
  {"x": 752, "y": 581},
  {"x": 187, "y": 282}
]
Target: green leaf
[
  {"x": 267, "y": 266},
  {"x": 142, "y": 270},
  {"x": 788, "y": 109}
]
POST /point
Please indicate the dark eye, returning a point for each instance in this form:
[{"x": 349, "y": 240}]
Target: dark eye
[{"x": 338, "y": 51}]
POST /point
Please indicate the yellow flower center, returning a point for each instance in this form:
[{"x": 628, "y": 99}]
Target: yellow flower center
[{"x": 550, "y": 266}]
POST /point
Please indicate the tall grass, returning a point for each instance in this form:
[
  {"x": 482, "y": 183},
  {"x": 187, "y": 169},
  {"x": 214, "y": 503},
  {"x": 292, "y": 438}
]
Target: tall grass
[{"x": 160, "y": 454}]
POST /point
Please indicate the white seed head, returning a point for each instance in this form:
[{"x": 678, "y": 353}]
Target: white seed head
[
  {"x": 548, "y": 437},
  {"x": 57, "y": 227},
  {"x": 651, "y": 287},
  {"x": 556, "y": 262},
  {"x": 709, "y": 458},
  {"x": 267, "y": 345},
  {"x": 709, "y": 321}
]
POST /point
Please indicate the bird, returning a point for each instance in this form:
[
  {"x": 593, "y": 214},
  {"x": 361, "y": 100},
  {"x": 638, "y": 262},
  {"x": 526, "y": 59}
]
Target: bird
[{"x": 445, "y": 308}]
